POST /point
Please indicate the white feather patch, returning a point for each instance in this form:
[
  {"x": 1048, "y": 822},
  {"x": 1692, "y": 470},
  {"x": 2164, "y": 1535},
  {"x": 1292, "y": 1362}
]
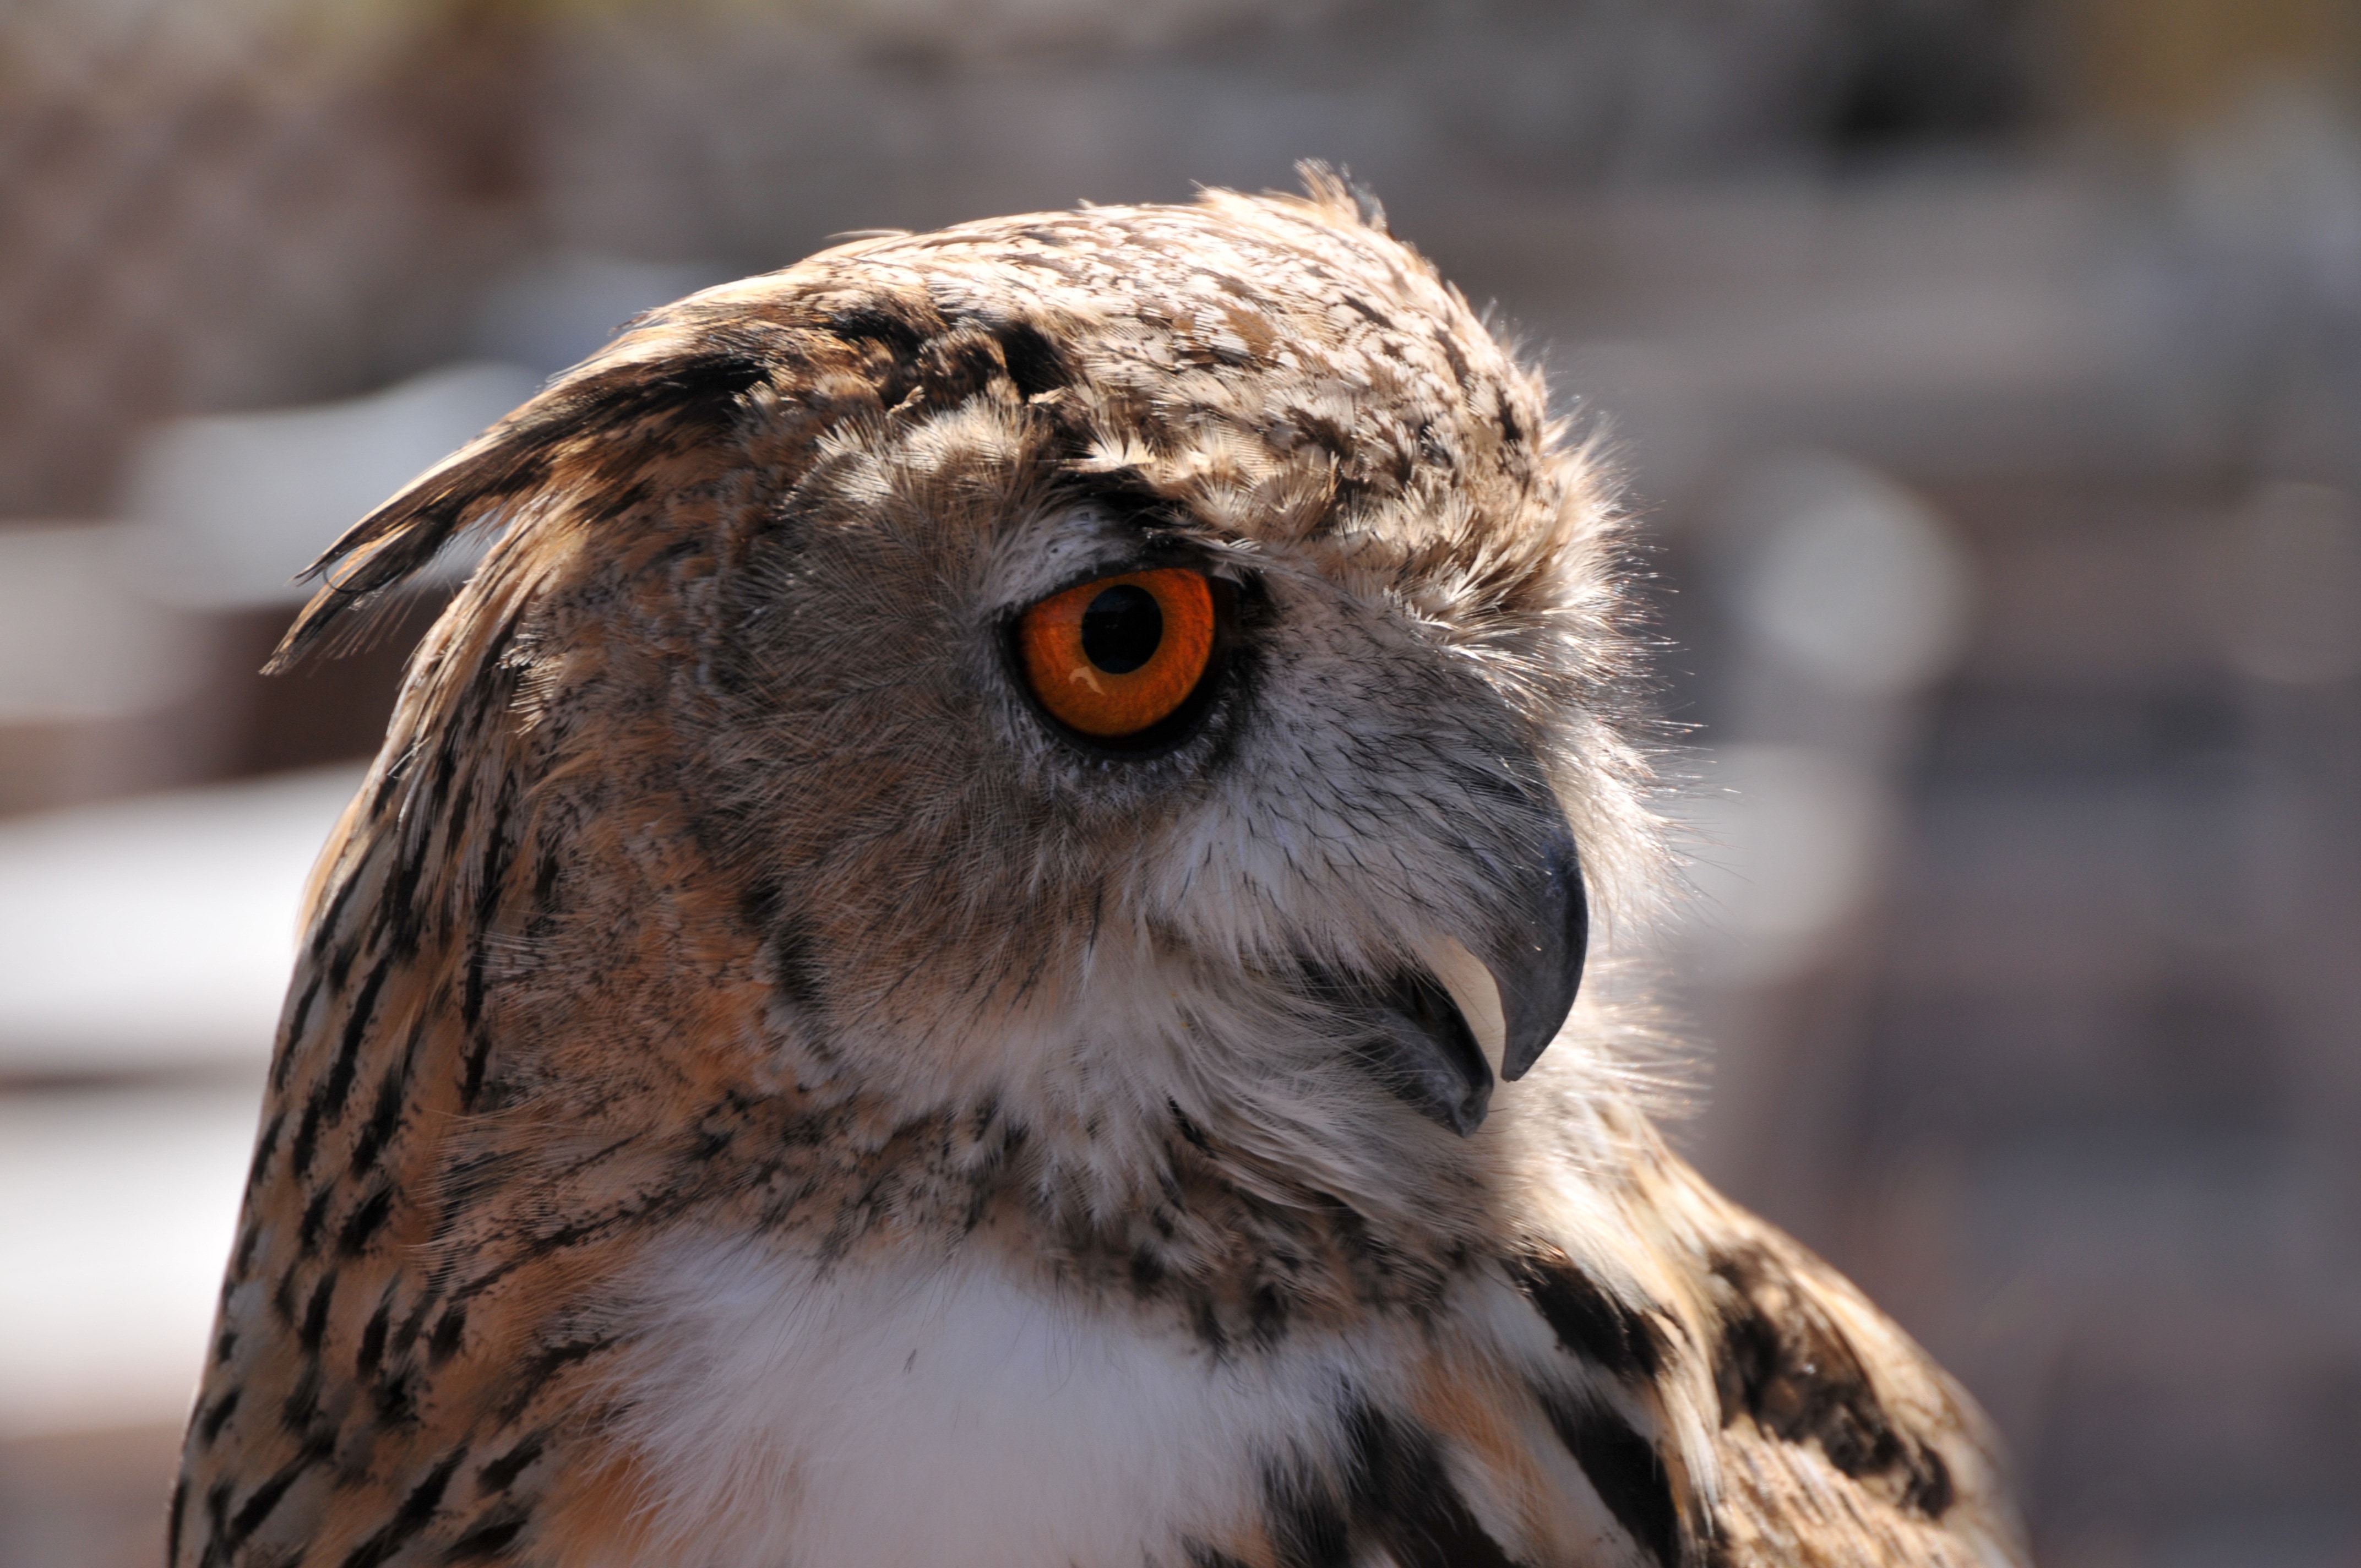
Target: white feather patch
[{"x": 947, "y": 1414}]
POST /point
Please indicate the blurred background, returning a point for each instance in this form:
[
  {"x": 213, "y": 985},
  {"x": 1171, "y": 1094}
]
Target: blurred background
[{"x": 1988, "y": 375}]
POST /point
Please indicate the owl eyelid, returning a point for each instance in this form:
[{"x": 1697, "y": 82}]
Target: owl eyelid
[{"x": 1130, "y": 564}]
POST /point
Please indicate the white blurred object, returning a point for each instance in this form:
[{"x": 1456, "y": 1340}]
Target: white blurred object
[
  {"x": 562, "y": 308},
  {"x": 1845, "y": 575},
  {"x": 1850, "y": 598},
  {"x": 2282, "y": 586},
  {"x": 1786, "y": 844},
  {"x": 157, "y": 933},
  {"x": 76, "y": 641},
  {"x": 230, "y": 507},
  {"x": 116, "y": 1213}
]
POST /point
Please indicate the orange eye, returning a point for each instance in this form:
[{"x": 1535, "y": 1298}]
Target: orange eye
[{"x": 1112, "y": 658}]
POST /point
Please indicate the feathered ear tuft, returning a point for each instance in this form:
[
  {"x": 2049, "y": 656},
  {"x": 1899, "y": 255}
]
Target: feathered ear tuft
[
  {"x": 654, "y": 391},
  {"x": 1339, "y": 197},
  {"x": 392, "y": 545}
]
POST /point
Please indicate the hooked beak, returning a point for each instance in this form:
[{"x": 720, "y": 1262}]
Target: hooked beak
[
  {"x": 1535, "y": 953},
  {"x": 1507, "y": 988}
]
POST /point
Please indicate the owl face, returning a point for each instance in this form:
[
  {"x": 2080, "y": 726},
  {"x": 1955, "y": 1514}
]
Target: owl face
[
  {"x": 1117, "y": 662},
  {"x": 1062, "y": 788}
]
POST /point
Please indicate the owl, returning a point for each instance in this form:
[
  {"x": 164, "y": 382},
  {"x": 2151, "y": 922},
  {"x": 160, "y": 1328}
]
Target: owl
[{"x": 965, "y": 949}]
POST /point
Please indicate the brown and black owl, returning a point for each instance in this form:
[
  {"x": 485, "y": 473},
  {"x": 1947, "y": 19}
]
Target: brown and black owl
[{"x": 965, "y": 951}]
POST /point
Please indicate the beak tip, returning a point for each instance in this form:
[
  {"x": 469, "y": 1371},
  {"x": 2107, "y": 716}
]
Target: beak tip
[
  {"x": 1541, "y": 971},
  {"x": 1514, "y": 1065}
]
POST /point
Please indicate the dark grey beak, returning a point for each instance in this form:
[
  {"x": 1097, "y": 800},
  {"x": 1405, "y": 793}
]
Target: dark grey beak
[
  {"x": 1536, "y": 953},
  {"x": 1422, "y": 1046}
]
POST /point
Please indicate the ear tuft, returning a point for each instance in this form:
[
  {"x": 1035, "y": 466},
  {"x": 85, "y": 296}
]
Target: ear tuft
[
  {"x": 394, "y": 543},
  {"x": 1340, "y": 197},
  {"x": 583, "y": 433}
]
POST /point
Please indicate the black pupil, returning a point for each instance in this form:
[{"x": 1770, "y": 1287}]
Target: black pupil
[{"x": 1122, "y": 628}]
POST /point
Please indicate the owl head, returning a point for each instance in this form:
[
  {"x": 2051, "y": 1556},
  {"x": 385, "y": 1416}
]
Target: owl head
[{"x": 1112, "y": 666}]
